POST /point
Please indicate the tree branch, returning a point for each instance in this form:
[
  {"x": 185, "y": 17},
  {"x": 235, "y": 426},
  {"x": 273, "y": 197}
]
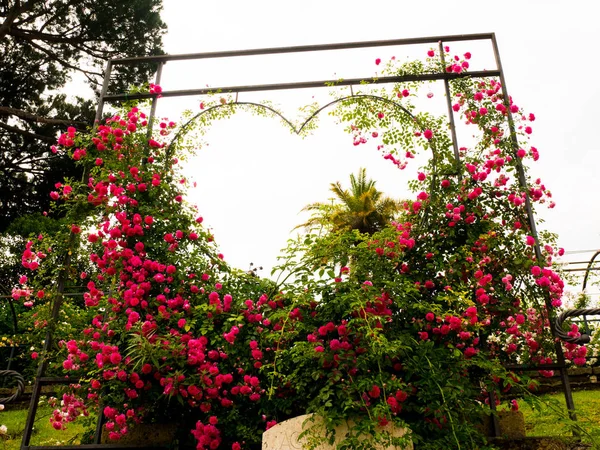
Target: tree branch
[
  {"x": 27, "y": 133},
  {"x": 24, "y": 115},
  {"x": 32, "y": 35},
  {"x": 28, "y": 19},
  {"x": 45, "y": 158},
  {"x": 12, "y": 15},
  {"x": 65, "y": 64},
  {"x": 27, "y": 170},
  {"x": 48, "y": 21},
  {"x": 16, "y": 166},
  {"x": 104, "y": 54},
  {"x": 70, "y": 30}
]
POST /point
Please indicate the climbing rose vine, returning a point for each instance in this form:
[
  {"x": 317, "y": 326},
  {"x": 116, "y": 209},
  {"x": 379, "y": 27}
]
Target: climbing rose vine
[{"x": 410, "y": 325}]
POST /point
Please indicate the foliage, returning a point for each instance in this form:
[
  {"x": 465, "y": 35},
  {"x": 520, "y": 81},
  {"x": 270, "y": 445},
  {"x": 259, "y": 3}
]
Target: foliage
[
  {"x": 413, "y": 331},
  {"x": 546, "y": 415},
  {"x": 16, "y": 319},
  {"x": 362, "y": 208},
  {"x": 43, "y": 433},
  {"x": 147, "y": 252},
  {"x": 43, "y": 45}
]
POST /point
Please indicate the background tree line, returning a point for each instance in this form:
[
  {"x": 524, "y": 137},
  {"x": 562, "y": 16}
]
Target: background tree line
[{"x": 45, "y": 45}]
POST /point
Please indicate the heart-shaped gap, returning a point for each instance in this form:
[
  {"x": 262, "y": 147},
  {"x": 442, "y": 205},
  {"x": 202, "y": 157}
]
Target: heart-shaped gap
[{"x": 255, "y": 177}]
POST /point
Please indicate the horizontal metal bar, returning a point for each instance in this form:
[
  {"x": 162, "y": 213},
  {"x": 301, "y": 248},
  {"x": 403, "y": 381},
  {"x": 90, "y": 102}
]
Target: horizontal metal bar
[
  {"x": 575, "y": 252},
  {"x": 583, "y": 269},
  {"x": 303, "y": 48},
  {"x": 72, "y": 294},
  {"x": 306, "y": 84},
  {"x": 530, "y": 367},
  {"x": 92, "y": 447},
  {"x": 568, "y": 263},
  {"x": 57, "y": 380}
]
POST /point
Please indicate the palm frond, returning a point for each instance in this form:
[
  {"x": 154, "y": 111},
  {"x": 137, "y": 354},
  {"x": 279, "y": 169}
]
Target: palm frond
[{"x": 362, "y": 208}]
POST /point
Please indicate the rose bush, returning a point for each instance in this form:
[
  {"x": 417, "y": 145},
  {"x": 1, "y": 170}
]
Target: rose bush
[
  {"x": 163, "y": 309},
  {"x": 409, "y": 325}
]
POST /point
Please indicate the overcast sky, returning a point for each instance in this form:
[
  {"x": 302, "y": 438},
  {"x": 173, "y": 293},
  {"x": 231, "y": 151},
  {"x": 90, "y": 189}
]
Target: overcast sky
[{"x": 255, "y": 176}]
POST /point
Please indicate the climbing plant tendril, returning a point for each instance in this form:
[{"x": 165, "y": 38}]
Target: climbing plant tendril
[{"x": 410, "y": 325}]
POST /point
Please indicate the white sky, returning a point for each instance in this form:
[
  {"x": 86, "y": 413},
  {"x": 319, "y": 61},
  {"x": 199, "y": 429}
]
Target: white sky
[{"x": 255, "y": 176}]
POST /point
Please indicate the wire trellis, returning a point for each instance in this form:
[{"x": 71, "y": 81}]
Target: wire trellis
[{"x": 160, "y": 60}]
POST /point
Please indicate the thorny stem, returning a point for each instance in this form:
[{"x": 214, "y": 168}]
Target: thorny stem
[{"x": 444, "y": 401}]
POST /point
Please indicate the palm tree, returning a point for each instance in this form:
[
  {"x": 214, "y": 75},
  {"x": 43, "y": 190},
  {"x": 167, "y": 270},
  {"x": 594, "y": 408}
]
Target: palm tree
[{"x": 362, "y": 208}]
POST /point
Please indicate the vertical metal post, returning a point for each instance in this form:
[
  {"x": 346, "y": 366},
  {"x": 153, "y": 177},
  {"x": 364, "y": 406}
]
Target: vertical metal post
[
  {"x": 99, "y": 424},
  {"x": 494, "y": 428},
  {"x": 586, "y": 325},
  {"x": 15, "y": 331},
  {"x": 532, "y": 226},
  {"x": 37, "y": 387},
  {"x": 450, "y": 114},
  {"x": 154, "y": 99},
  {"x": 495, "y": 423},
  {"x": 103, "y": 92},
  {"x": 587, "y": 271}
]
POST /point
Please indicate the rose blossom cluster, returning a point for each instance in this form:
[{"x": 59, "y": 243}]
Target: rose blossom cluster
[
  {"x": 488, "y": 197},
  {"x": 142, "y": 288},
  {"x": 169, "y": 321}
]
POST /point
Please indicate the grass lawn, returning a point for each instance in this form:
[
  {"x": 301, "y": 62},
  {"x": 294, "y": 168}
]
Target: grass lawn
[
  {"x": 43, "y": 433},
  {"x": 551, "y": 418},
  {"x": 548, "y": 417}
]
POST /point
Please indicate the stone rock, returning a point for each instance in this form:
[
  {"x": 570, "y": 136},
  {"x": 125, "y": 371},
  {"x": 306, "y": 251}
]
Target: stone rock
[
  {"x": 285, "y": 435},
  {"x": 577, "y": 371},
  {"x": 512, "y": 424}
]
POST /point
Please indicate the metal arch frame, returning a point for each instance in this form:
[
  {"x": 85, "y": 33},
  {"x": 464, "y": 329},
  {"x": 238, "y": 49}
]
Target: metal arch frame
[
  {"x": 439, "y": 41},
  {"x": 304, "y": 124},
  {"x": 589, "y": 268},
  {"x": 584, "y": 337},
  {"x": 286, "y": 120},
  {"x": 297, "y": 131}
]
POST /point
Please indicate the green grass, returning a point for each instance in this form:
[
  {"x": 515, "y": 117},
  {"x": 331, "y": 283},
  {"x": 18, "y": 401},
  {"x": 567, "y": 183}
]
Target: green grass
[
  {"x": 43, "y": 433},
  {"x": 547, "y": 416}
]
